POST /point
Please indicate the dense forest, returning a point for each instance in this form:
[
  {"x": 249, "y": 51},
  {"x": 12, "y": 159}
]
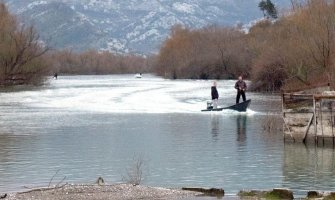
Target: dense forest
[{"x": 296, "y": 46}]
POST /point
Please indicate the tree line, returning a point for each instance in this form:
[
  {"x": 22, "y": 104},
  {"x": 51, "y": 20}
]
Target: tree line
[
  {"x": 93, "y": 62},
  {"x": 297, "y": 46},
  {"x": 25, "y": 59},
  {"x": 210, "y": 52}
]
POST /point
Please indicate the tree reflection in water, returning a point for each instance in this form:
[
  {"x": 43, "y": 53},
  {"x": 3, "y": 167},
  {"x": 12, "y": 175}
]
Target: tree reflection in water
[
  {"x": 215, "y": 124},
  {"x": 241, "y": 121},
  {"x": 308, "y": 167}
]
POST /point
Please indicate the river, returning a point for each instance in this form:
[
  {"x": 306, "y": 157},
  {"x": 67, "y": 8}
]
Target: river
[{"x": 84, "y": 127}]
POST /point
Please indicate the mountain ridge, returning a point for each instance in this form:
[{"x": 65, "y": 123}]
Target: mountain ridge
[{"x": 131, "y": 26}]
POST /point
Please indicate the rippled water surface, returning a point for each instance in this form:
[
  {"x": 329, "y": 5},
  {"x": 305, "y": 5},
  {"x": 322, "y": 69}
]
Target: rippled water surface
[{"x": 90, "y": 126}]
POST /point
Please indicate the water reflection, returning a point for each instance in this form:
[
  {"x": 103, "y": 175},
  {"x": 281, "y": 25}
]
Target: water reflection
[
  {"x": 222, "y": 125},
  {"x": 13, "y": 162},
  {"x": 308, "y": 168},
  {"x": 10, "y": 144},
  {"x": 5, "y": 142},
  {"x": 215, "y": 126},
  {"x": 49, "y": 129},
  {"x": 241, "y": 122}
]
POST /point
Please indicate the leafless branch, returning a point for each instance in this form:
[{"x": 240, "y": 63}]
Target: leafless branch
[{"x": 53, "y": 177}]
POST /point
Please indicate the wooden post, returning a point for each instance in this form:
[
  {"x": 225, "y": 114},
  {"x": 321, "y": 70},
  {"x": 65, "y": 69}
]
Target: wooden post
[
  {"x": 315, "y": 123},
  {"x": 289, "y": 130},
  {"x": 332, "y": 121},
  {"x": 331, "y": 117},
  {"x": 283, "y": 103},
  {"x": 321, "y": 124},
  {"x": 283, "y": 111},
  {"x": 307, "y": 129}
]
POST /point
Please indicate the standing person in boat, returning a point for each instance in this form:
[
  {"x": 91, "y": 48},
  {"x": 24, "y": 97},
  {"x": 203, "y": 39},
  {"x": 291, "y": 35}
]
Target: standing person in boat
[
  {"x": 240, "y": 86},
  {"x": 215, "y": 95}
]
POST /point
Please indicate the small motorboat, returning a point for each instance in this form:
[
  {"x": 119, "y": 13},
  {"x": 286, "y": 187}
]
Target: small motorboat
[
  {"x": 139, "y": 75},
  {"x": 240, "y": 107}
]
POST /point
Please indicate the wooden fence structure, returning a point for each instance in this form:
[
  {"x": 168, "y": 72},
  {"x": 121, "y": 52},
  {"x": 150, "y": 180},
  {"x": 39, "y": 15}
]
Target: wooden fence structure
[{"x": 309, "y": 118}]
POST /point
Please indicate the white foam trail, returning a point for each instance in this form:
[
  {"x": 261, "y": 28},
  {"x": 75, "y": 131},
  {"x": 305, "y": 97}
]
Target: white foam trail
[
  {"x": 251, "y": 112},
  {"x": 123, "y": 94}
]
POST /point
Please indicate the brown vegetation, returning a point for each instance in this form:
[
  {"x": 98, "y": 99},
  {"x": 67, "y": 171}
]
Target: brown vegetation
[
  {"x": 299, "y": 46},
  {"x": 20, "y": 51},
  {"x": 296, "y": 49},
  {"x": 24, "y": 59},
  {"x": 95, "y": 62},
  {"x": 210, "y": 52}
]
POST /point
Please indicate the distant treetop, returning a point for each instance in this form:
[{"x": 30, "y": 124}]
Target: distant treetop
[{"x": 268, "y": 8}]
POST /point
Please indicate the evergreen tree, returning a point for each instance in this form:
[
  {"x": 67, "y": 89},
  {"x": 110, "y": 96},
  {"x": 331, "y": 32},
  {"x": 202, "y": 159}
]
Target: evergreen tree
[
  {"x": 268, "y": 8},
  {"x": 262, "y": 6}
]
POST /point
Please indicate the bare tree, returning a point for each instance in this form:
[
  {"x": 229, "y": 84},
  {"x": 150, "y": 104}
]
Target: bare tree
[
  {"x": 134, "y": 174},
  {"x": 20, "y": 52}
]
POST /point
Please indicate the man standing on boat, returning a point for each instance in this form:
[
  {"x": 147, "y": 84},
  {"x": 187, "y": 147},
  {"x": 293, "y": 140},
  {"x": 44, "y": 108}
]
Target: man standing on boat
[
  {"x": 240, "y": 86},
  {"x": 215, "y": 95}
]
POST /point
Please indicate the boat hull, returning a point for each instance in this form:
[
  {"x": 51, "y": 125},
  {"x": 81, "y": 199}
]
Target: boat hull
[{"x": 240, "y": 107}]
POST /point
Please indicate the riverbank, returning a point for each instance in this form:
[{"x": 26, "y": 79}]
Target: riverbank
[
  {"x": 96, "y": 192},
  {"x": 139, "y": 192}
]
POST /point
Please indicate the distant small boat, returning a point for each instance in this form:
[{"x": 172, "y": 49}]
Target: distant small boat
[
  {"x": 240, "y": 107},
  {"x": 138, "y": 75}
]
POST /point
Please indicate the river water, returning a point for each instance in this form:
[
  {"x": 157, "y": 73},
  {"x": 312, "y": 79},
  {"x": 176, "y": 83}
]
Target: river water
[{"x": 84, "y": 127}]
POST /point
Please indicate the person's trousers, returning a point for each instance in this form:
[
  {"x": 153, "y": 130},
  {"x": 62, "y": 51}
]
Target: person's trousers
[
  {"x": 239, "y": 93},
  {"x": 215, "y": 103}
]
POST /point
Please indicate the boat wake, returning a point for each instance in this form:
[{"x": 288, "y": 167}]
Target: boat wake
[{"x": 124, "y": 94}]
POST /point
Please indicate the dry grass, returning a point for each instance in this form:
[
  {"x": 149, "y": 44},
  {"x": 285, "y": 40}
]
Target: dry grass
[
  {"x": 272, "y": 123},
  {"x": 134, "y": 173}
]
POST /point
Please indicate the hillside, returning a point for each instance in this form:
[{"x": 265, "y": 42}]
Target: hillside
[{"x": 127, "y": 26}]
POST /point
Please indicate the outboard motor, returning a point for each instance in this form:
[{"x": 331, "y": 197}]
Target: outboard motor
[{"x": 209, "y": 105}]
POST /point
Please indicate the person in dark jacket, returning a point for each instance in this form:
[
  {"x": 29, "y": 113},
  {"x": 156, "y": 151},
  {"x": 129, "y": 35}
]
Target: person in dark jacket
[
  {"x": 240, "y": 86},
  {"x": 215, "y": 95}
]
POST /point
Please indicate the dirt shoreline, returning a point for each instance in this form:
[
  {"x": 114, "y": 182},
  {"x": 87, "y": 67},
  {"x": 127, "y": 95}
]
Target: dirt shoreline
[
  {"x": 139, "y": 192},
  {"x": 96, "y": 192}
]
